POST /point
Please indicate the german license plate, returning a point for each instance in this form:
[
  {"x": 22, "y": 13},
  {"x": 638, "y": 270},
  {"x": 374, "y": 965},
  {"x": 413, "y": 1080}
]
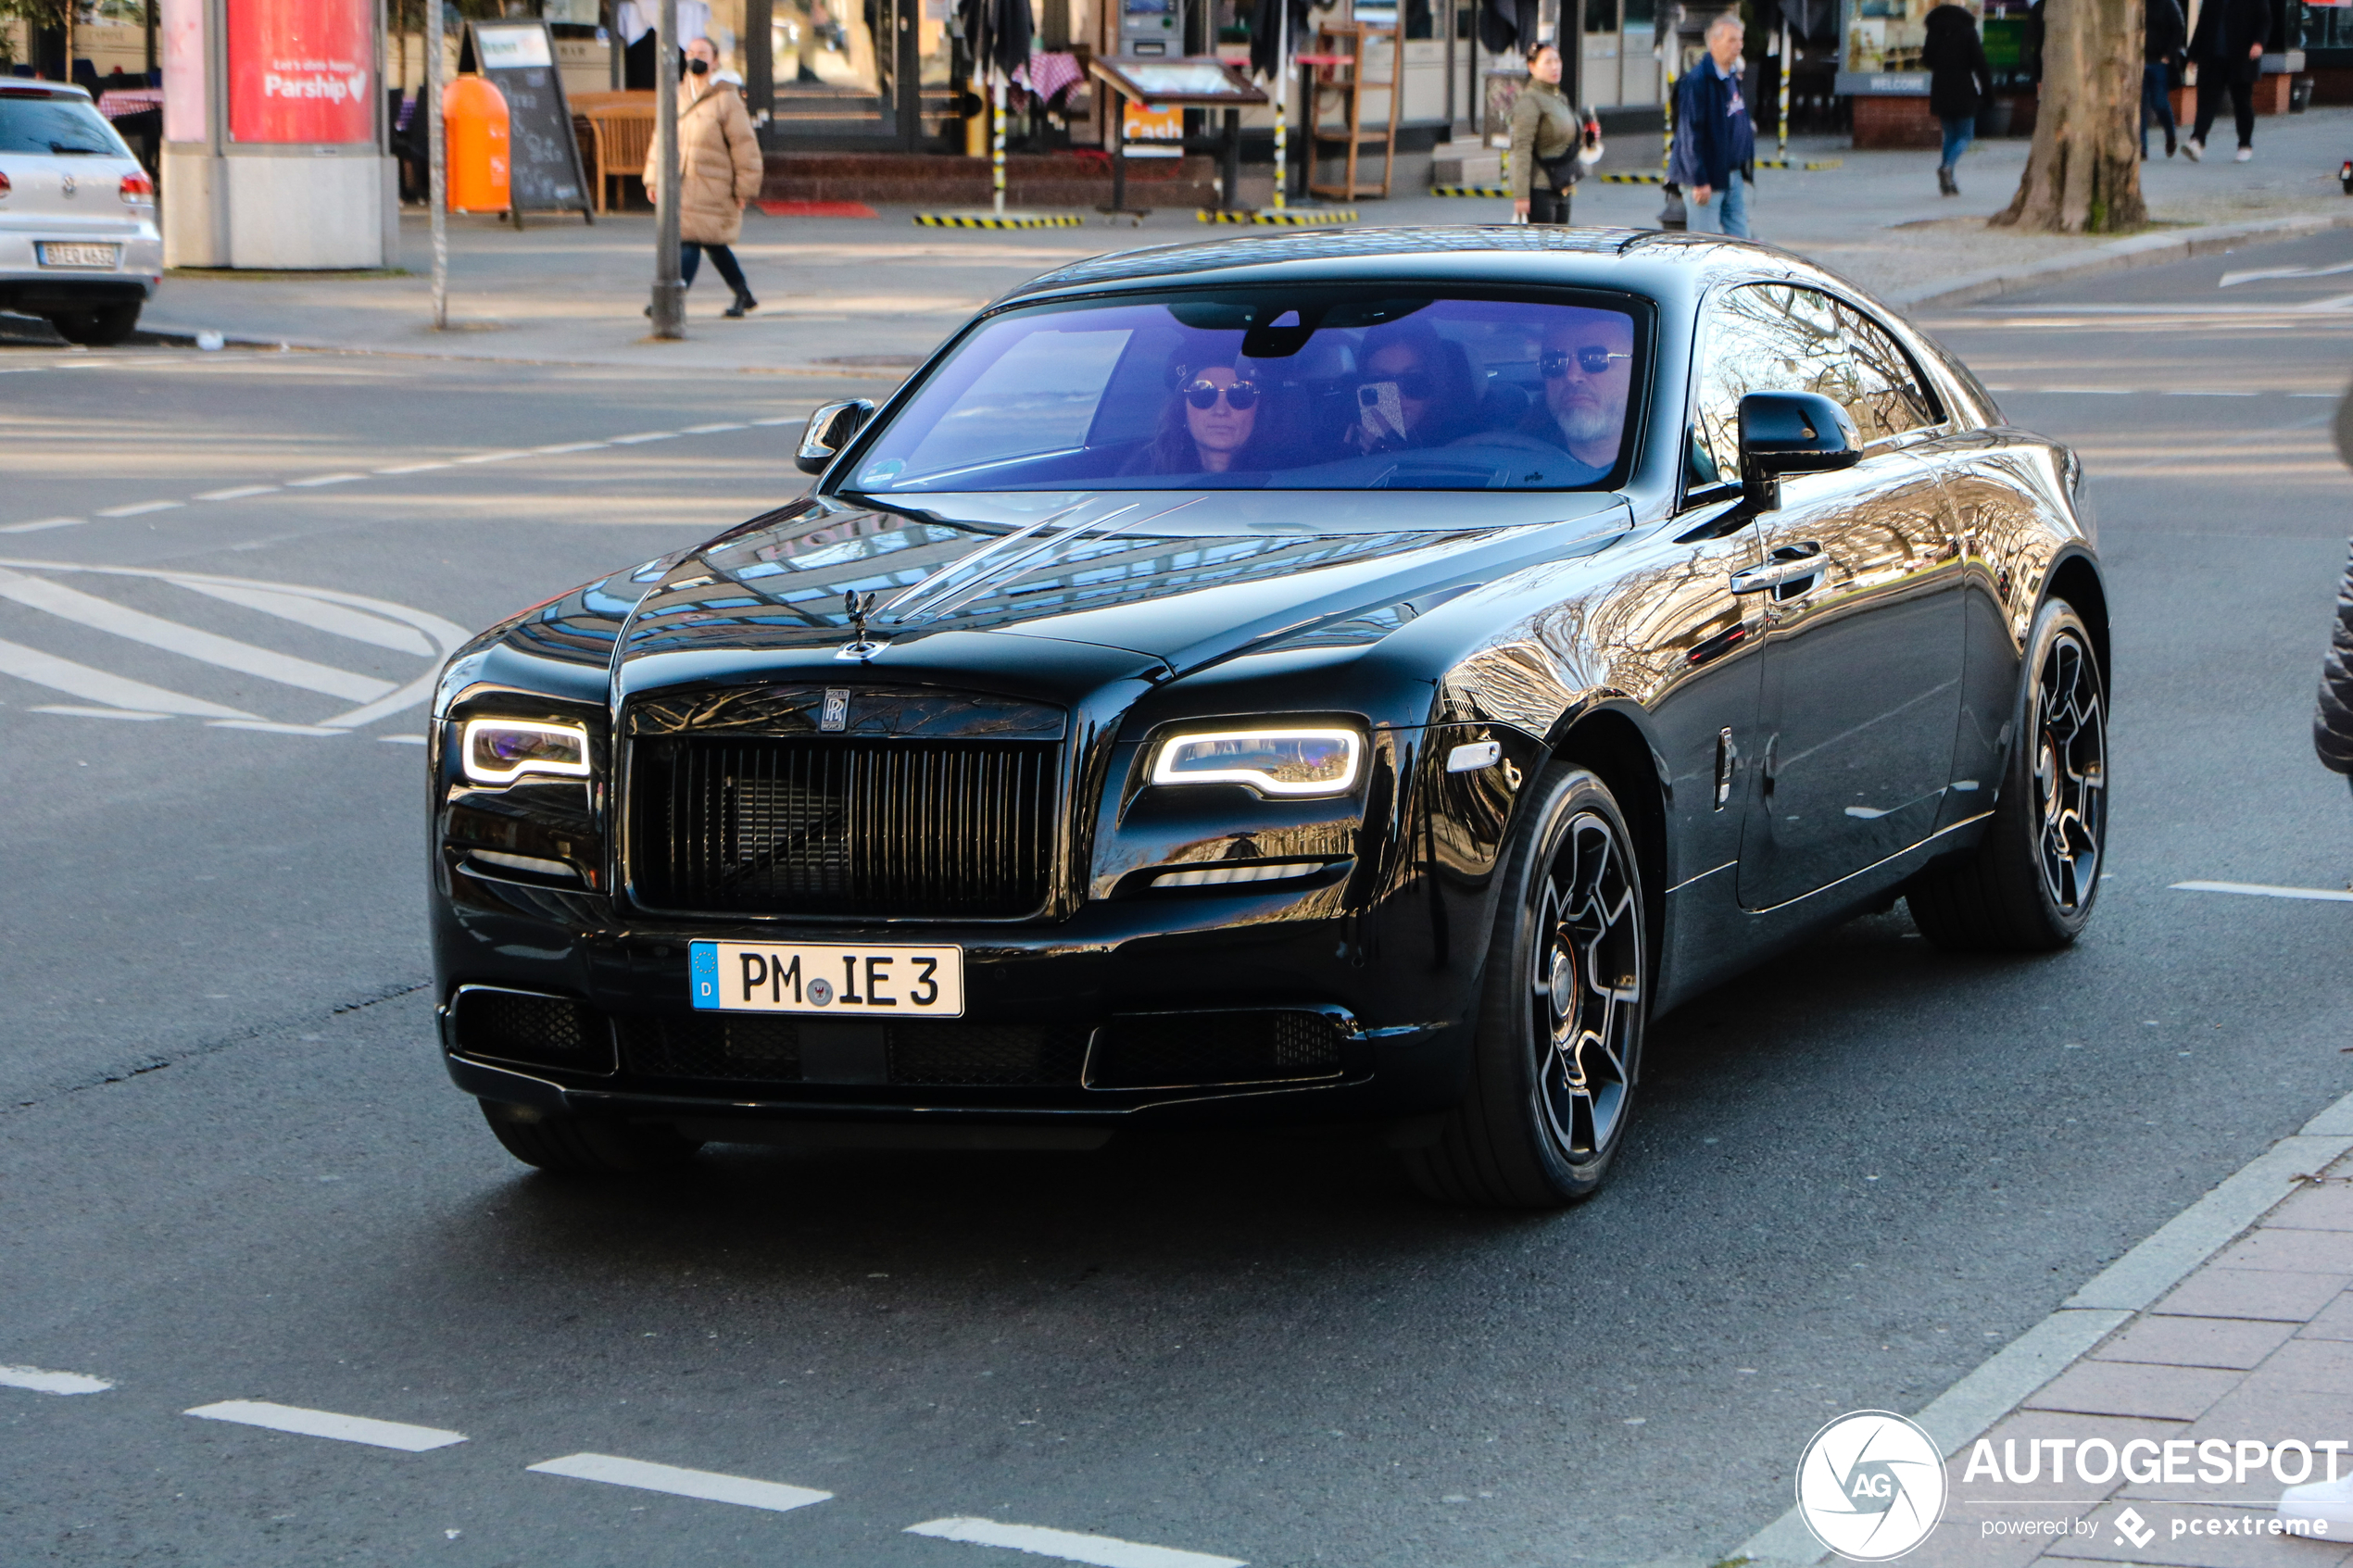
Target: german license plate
[
  {"x": 57, "y": 253},
  {"x": 836, "y": 981}
]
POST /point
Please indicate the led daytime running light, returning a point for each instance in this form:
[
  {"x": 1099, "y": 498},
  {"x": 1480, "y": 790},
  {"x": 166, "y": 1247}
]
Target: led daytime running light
[
  {"x": 1193, "y": 760},
  {"x": 498, "y": 751}
]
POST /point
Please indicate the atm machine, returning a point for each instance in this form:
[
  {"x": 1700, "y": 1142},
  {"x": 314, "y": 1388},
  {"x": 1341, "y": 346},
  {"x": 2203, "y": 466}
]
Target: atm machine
[{"x": 1151, "y": 28}]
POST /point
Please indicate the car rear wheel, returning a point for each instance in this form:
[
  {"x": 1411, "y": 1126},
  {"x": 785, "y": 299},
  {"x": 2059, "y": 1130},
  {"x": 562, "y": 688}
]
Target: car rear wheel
[
  {"x": 2029, "y": 885},
  {"x": 1560, "y": 1013},
  {"x": 100, "y": 327},
  {"x": 582, "y": 1146}
]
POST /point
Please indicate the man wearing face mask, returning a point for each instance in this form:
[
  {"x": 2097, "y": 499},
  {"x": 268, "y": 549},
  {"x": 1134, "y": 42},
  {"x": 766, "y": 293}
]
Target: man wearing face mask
[{"x": 719, "y": 171}]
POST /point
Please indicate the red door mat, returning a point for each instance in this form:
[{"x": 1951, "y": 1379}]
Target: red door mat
[{"x": 817, "y": 209}]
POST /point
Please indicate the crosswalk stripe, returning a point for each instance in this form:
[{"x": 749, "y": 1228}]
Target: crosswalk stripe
[
  {"x": 104, "y": 615},
  {"x": 358, "y": 625},
  {"x": 96, "y": 685}
]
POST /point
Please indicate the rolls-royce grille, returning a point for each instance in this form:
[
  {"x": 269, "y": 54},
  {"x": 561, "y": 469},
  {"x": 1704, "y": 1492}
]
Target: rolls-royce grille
[{"x": 844, "y": 827}]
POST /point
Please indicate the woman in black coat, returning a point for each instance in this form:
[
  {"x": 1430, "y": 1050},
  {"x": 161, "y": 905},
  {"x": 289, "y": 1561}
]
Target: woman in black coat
[
  {"x": 2228, "y": 47},
  {"x": 1958, "y": 83}
]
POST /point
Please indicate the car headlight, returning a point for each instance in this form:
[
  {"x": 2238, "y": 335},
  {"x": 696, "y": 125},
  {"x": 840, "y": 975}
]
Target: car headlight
[
  {"x": 1288, "y": 762},
  {"x": 499, "y": 751}
]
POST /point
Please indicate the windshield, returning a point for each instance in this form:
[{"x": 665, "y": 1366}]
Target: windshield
[
  {"x": 1290, "y": 389},
  {"x": 56, "y": 127}
]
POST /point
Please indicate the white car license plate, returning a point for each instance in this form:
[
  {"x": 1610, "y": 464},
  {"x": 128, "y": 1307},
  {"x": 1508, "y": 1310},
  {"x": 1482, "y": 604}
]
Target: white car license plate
[
  {"x": 874, "y": 982},
  {"x": 57, "y": 253}
]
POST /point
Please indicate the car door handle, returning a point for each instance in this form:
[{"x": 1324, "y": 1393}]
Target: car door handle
[{"x": 1791, "y": 563}]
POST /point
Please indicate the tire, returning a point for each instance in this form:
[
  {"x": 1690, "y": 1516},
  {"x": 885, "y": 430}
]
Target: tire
[
  {"x": 581, "y": 1145},
  {"x": 2030, "y": 884},
  {"x": 100, "y": 327},
  {"x": 1551, "y": 1083}
]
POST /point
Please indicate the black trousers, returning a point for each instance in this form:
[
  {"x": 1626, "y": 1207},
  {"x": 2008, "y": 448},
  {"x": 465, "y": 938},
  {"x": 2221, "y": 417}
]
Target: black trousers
[
  {"x": 690, "y": 262},
  {"x": 2211, "y": 86},
  {"x": 1547, "y": 206}
]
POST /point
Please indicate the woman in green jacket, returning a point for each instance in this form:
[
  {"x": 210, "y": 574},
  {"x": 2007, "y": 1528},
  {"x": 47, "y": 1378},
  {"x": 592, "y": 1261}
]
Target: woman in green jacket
[{"x": 1544, "y": 128}]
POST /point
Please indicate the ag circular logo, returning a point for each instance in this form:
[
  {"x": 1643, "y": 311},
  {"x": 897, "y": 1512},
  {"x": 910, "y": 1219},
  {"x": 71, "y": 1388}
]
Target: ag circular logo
[{"x": 1870, "y": 1486}]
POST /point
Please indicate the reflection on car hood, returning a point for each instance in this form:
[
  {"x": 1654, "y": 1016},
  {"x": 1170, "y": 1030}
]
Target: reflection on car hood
[{"x": 1183, "y": 578}]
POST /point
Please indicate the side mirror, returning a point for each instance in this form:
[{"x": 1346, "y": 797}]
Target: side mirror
[
  {"x": 1784, "y": 433},
  {"x": 828, "y": 431}
]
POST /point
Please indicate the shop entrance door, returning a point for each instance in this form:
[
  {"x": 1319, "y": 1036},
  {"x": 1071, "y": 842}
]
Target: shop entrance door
[{"x": 868, "y": 75}]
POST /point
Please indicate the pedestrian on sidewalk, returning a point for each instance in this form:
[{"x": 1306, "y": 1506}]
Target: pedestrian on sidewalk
[
  {"x": 2333, "y": 721},
  {"x": 1715, "y": 152},
  {"x": 1545, "y": 136},
  {"x": 1958, "y": 83},
  {"x": 2162, "y": 35},
  {"x": 719, "y": 171},
  {"x": 2228, "y": 50}
]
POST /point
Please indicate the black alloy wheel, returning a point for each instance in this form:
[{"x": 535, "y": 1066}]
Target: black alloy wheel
[
  {"x": 1561, "y": 1016},
  {"x": 2030, "y": 884}
]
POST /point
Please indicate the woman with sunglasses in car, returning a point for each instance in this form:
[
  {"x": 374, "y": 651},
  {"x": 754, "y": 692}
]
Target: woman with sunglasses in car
[{"x": 1208, "y": 426}]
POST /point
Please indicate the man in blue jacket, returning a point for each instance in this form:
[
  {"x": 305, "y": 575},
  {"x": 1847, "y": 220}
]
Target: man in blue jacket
[{"x": 1714, "y": 143}]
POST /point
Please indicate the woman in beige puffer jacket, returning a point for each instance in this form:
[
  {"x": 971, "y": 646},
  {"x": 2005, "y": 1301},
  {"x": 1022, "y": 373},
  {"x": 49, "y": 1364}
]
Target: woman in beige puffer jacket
[{"x": 720, "y": 154}]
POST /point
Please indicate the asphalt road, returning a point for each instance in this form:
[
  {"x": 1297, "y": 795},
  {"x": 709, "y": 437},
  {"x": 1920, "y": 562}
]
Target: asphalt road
[{"x": 230, "y": 1168}]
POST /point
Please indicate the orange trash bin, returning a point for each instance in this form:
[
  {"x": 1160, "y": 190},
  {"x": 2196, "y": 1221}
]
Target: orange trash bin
[{"x": 473, "y": 119}]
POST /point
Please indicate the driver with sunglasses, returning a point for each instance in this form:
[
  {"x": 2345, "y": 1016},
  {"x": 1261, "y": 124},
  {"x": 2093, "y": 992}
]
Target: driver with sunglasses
[{"x": 1588, "y": 368}]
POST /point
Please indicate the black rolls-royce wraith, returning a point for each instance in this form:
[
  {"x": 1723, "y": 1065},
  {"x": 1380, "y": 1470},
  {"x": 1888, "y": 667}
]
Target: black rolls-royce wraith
[{"x": 1350, "y": 676}]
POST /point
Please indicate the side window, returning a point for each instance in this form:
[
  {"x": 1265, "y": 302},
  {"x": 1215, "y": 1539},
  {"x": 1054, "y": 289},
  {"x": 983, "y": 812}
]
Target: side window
[{"x": 1775, "y": 337}]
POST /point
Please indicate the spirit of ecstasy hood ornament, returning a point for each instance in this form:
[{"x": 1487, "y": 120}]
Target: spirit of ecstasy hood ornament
[{"x": 857, "y": 606}]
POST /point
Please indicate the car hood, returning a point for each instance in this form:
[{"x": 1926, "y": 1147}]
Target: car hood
[{"x": 1174, "y": 581}]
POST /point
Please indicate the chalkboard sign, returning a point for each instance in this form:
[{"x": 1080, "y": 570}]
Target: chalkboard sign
[{"x": 543, "y": 170}]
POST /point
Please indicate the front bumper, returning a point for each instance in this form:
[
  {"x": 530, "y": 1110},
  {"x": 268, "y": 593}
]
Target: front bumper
[{"x": 1391, "y": 987}]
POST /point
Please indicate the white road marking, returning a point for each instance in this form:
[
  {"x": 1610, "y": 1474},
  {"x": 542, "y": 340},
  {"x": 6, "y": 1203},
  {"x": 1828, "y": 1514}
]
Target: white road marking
[
  {"x": 71, "y": 711},
  {"x": 782, "y": 419},
  {"x": 45, "y": 522},
  {"x": 96, "y": 685},
  {"x": 327, "y": 1423},
  {"x": 2232, "y": 279},
  {"x": 142, "y": 508},
  {"x": 708, "y": 1486},
  {"x": 359, "y": 627},
  {"x": 563, "y": 448},
  {"x": 402, "y": 740},
  {"x": 417, "y": 467},
  {"x": 1106, "y": 1551},
  {"x": 42, "y": 1382},
  {"x": 495, "y": 456},
  {"x": 711, "y": 430},
  {"x": 104, "y": 615},
  {"x": 271, "y": 727},
  {"x": 644, "y": 436},
  {"x": 313, "y": 483},
  {"x": 239, "y": 493},
  {"x": 2261, "y": 890}
]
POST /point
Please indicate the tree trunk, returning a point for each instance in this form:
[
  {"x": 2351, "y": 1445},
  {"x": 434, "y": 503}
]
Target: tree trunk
[{"x": 2084, "y": 175}]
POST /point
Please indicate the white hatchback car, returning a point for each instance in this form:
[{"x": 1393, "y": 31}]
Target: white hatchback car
[{"x": 78, "y": 237}]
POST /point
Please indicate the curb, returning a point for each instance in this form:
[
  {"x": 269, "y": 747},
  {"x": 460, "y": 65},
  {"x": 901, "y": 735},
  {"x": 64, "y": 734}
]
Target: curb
[
  {"x": 2105, "y": 1303},
  {"x": 2140, "y": 250}
]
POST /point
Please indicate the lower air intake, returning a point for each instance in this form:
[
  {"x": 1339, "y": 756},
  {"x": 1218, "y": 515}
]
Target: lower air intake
[
  {"x": 776, "y": 1050},
  {"x": 1170, "y": 1050},
  {"x": 540, "y": 1031}
]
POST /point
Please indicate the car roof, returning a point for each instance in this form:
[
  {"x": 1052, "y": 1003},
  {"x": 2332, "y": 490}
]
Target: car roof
[
  {"x": 1647, "y": 260},
  {"x": 34, "y": 87}
]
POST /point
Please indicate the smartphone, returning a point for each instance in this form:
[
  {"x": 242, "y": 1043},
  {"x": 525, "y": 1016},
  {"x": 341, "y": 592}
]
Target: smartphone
[{"x": 1378, "y": 410}]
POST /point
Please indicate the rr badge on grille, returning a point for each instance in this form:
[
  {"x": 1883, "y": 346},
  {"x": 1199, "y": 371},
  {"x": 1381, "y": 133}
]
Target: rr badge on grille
[{"x": 836, "y": 715}]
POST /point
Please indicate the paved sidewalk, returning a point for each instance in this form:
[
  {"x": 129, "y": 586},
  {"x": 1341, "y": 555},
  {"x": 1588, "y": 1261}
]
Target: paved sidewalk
[
  {"x": 2252, "y": 1345},
  {"x": 869, "y": 297}
]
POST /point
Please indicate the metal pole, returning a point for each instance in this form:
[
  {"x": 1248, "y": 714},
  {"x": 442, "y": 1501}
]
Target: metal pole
[
  {"x": 669, "y": 294},
  {"x": 437, "y": 162},
  {"x": 995, "y": 138},
  {"x": 1281, "y": 84},
  {"x": 1781, "y": 116}
]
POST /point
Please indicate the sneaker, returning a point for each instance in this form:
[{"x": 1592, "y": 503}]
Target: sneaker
[
  {"x": 2320, "y": 1501},
  {"x": 2244, "y": 155},
  {"x": 2194, "y": 149}
]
